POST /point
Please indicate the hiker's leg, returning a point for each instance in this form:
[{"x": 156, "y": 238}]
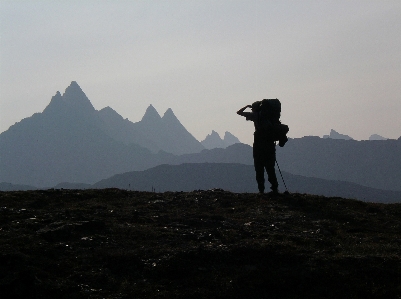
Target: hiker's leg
[
  {"x": 271, "y": 172},
  {"x": 260, "y": 175},
  {"x": 259, "y": 170}
]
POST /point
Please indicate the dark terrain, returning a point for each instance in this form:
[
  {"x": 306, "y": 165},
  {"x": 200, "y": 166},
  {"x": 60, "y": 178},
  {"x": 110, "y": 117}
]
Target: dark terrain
[{"x": 112, "y": 243}]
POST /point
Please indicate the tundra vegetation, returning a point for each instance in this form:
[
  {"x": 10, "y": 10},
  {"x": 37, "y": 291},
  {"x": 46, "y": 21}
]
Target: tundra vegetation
[{"x": 113, "y": 243}]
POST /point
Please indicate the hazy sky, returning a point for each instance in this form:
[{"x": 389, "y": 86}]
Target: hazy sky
[{"x": 333, "y": 64}]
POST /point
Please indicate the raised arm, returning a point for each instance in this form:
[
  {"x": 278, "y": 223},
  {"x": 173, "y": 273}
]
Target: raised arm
[{"x": 241, "y": 111}]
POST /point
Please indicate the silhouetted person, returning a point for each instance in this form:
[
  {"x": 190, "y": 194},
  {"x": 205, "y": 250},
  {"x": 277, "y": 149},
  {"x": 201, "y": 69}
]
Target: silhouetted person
[{"x": 264, "y": 149}]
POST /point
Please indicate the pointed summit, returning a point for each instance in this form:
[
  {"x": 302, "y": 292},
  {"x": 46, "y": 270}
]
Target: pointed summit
[
  {"x": 75, "y": 97},
  {"x": 230, "y": 139},
  {"x": 215, "y": 134},
  {"x": 72, "y": 102},
  {"x": 335, "y": 135},
  {"x": 55, "y": 103},
  {"x": 151, "y": 115},
  {"x": 170, "y": 118},
  {"x": 213, "y": 140},
  {"x": 110, "y": 114},
  {"x": 377, "y": 137},
  {"x": 56, "y": 98}
]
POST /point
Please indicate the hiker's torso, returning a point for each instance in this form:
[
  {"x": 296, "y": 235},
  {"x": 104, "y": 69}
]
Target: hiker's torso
[
  {"x": 263, "y": 139},
  {"x": 263, "y": 134}
]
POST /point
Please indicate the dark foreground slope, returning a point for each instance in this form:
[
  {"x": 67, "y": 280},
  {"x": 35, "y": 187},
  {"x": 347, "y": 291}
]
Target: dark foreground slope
[{"x": 203, "y": 244}]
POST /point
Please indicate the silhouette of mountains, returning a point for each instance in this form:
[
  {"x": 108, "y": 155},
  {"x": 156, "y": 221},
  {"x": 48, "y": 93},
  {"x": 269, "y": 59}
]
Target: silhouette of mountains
[
  {"x": 375, "y": 164},
  {"x": 213, "y": 140},
  {"x": 336, "y": 135},
  {"x": 153, "y": 132},
  {"x": 236, "y": 178},
  {"x": 228, "y": 176},
  {"x": 70, "y": 141},
  {"x": 377, "y": 137},
  {"x": 162, "y": 133},
  {"x": 66, "y": 142}
]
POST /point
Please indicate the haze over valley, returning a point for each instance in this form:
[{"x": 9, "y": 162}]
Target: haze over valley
[
  {"x": 70, "y": 142},
  {"x": 126, "y": 149}
]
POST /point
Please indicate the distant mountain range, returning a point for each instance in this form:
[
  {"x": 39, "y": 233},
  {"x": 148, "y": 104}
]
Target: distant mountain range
[
  {"x": 72, "y": 142},
  {"x": 335, "y": 135},
  {"x": 377, "y": 137},
  {"x": 232, "y": 177},
  {"x": 214, "y": 140},
  {"x": 237, "y": 178},
  {"x": 375, "y": 164}
]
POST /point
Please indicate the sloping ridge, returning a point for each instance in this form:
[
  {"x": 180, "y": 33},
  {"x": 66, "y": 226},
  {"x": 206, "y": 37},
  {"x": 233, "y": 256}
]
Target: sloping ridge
[
  {"x": 237, "y": 178},
  {"x": 167, "y": 132},
  {"x": 123, "y": 130},
  {"x": 213, "y": 140},
  {"x": 375, "y": 164},
  {"x": 182, "y": 142},
  {"x": 65, "y": 143}
]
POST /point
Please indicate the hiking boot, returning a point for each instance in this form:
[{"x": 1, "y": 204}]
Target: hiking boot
[{"x": 274, "y": 192}]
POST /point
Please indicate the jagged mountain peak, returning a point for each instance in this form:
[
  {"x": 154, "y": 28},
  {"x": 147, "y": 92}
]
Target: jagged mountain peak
[
  {"x": 169, "y": 113},
  {"x": 169, "y": 110},
  {"x": 108, "y": 109},
  {"x": 335, "y": 135},
  {"x": 73, "y": 89},
  {"x": 213, "y": 140},
  {"x": 230, "y": 139},
  {"x": 170, "y": 117},
  {"x": 55, "y": 104},
  {"x": 214, "y": 134},
  {"x": 377, "y": 137},
  {"x": 73, "y": 99},
  {"x": 57, "y": 97},
  {"x": 108, "y": 112},
  {"x": 75, "y": 96},
  {"x": 151, "y": 114}
]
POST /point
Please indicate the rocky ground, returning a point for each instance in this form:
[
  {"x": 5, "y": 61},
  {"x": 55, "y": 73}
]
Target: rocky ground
[{"x": 113, "y": 243}]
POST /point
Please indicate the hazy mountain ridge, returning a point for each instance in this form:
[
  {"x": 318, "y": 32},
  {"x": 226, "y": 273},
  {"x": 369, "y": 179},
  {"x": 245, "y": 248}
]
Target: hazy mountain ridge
[
  {"x": 213, "y": 140},
  {"x": 152, "y": 131},
  {"x": 335, "y": 135},
  {"x": 168, "y": 133},
  {"x": 228, "y": 176},
  {"x": 375, "y": 164},
  {"x": 237, "y": 178},
  {"x": 124, "y": 130},
  {"x": 377, "y": 137},
  {"x": 66, "y": 143},
  {"x": 72, "y": 142}
]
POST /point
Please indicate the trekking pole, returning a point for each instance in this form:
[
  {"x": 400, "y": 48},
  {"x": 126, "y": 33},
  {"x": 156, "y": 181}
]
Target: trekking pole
[{"x": 286, "y": 190}]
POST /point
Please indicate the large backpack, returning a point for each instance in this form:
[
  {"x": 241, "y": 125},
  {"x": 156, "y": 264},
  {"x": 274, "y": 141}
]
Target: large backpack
[
  {"x": 271, "y": 109},
  {"x": 269, "y": 114}
]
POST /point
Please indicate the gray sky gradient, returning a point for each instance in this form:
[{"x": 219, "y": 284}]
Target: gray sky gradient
[{"x": 333, "y": 64}]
